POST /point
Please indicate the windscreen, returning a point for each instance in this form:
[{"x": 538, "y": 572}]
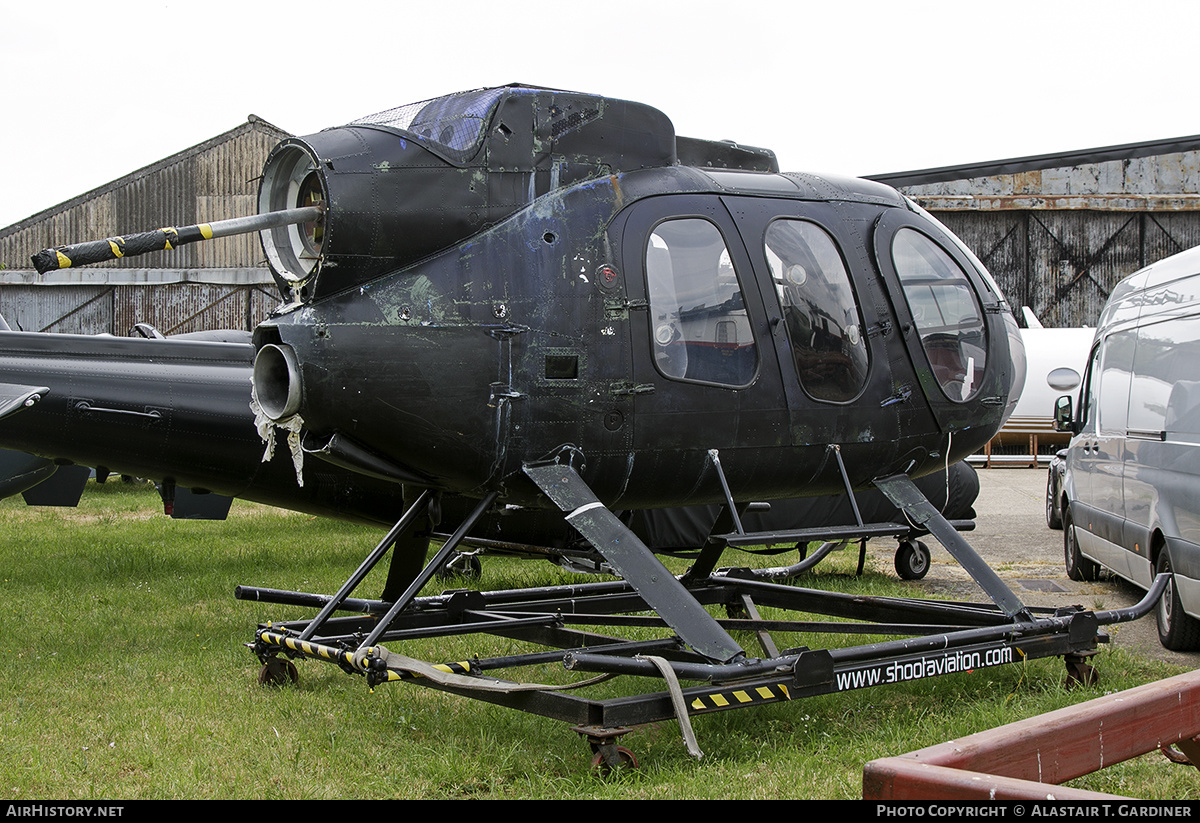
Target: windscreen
[{"x": 946, "y": 310}]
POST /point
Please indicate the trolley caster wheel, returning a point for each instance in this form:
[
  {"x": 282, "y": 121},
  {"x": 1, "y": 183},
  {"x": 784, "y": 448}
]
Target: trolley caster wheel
[
  {"x": 736, "y": 611},
  {"x": 1079, "y": 671},
  {"x": 278, "y": 672},
  {"x": 604, "y": 765},
  {"x": 466, "y": 566},
  {"x": 912, "y": 560},
  {"x": 1176, "y": 756}
]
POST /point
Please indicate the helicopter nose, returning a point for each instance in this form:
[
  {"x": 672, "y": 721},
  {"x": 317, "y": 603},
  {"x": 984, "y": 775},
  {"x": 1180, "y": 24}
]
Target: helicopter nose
[
  {"x": 1020, "y": 366},
  {"x": 277, "y": 381}
]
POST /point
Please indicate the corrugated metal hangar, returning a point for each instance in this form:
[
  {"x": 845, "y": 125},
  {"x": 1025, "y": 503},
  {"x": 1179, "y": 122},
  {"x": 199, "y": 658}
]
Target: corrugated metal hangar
[
  {"x": 219, "y": 284},
  {"x": 1057, "y": 231}
]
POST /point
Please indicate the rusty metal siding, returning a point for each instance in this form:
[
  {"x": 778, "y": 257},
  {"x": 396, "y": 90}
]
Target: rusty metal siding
[
  {"x": 190, "y": 307},
  {"x": 1058, "y": 238},
  {"x": 1075, "y": 259},
  {"x": 164, "y": 199},
  {"x": 1168, "y": 233},
  {"x": 69, "y": 309},
  {"x": 1064, "y": 264},
  {"x": 114, "y": 309},
  {"x": 1160, "y": 182}
]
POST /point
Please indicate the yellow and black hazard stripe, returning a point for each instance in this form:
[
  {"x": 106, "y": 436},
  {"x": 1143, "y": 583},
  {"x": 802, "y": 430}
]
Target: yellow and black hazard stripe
[
  {"x": 306, "y": 648},
  {"x": 341, "y": 656},
  {"x": 735, "y": 697},
  {"x": 448, "y": 668},
  {"x": 114, "y": 248},
  {"x": 166, "y": 239}
]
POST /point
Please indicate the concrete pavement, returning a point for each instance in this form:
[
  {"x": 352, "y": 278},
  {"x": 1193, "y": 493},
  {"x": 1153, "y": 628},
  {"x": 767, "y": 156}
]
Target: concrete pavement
[{"x": 1012, "y": 536}]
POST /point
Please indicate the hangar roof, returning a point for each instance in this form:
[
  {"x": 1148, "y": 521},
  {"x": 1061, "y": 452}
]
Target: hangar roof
[{"x": 1040, "y": 162}]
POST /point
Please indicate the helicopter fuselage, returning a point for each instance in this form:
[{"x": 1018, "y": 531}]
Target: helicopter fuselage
[{"x": 633, "y": 323}]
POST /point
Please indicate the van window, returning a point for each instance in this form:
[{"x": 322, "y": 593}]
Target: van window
[
  {"x": 1116, "y": 372},
  {"x": 1165, "y": 383},
  {"x": 819, "y": 310},
  {"x": 698, "y": 317},
  {"x": 946, "y": 310},
  {"x": 1087, "y": 396}
]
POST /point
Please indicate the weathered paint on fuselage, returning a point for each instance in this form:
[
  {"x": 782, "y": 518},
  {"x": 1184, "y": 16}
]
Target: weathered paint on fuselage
[{"x": 531, "y": 340}]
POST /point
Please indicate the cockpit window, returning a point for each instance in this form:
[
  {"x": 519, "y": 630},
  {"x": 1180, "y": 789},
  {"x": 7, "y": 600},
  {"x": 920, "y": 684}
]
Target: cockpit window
[
  {"x": 452, "y": 125},
  {"x": 698, "y": 317},
  {"x": 946, "y": 310},
  {"x": 819, "y": 310}
]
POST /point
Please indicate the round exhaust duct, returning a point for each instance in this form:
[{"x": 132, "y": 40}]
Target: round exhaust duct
[{"x": 277, "y": 381}]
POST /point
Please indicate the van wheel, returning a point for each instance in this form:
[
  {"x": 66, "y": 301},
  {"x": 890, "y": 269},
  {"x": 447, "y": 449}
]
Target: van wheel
[
  {"x": 1079, "y": 568},
  {"x": 1176, "y": 631}
]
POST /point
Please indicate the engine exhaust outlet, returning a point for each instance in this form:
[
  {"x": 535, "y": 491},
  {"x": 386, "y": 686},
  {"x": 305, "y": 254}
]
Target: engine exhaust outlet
[{"x": 277, "y": 381}]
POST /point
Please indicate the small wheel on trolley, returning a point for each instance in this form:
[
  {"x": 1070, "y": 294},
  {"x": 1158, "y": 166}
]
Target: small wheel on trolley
[
  {"x": 912, "y": 560},
  {"x": 466, "y": 566},
  {"x": 602, "y": 765},
  {"x": 278, "y": 671}
]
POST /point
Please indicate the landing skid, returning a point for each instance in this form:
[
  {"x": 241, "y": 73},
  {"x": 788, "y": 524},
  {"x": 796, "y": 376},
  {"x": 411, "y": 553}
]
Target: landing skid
[{"x": 679, "y": 642}]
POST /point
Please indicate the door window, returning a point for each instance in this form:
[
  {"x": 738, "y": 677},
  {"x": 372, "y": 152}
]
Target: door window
[
  {"x": 1163, "y": 398},
  {"x": 1087, "y": 396},
  {"x": 819, "y": 310},
  {"x": 698, "y": 317}
]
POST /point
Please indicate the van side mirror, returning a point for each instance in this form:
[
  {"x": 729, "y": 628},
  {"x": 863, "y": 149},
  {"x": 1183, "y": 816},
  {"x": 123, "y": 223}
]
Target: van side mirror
[{"x": 1063, "y": 415}]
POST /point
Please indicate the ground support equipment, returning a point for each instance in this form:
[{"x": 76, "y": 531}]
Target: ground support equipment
[{"x": 679, "y": 642}]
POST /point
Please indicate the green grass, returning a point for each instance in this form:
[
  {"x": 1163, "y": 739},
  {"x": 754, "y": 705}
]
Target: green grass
[{"x": 125, "y": 675}]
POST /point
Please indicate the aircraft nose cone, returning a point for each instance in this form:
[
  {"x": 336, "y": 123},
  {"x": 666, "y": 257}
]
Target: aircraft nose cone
[{"x": 277, "y": 381}]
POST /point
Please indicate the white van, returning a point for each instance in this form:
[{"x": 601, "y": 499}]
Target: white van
[{"x": 1131, "y": 489}]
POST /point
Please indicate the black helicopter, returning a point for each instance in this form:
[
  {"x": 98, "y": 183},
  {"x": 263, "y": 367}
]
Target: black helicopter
[{"x": 520, "y": 297}]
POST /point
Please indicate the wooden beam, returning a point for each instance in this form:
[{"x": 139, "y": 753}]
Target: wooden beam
[{"x": 1029, "y": 758}]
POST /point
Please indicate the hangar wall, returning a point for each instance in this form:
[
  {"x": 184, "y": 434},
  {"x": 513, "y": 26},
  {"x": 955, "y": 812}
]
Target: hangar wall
[
  {"x": 1058, "y": 231},
  {"x": 220, "y": 284}
]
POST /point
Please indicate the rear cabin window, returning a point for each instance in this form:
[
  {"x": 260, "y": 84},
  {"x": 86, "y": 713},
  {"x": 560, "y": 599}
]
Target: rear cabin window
[
  {"x": 946, "y": 310},
  {"x": 698, "y": 317},
  {"x": 819, "y": 310}
]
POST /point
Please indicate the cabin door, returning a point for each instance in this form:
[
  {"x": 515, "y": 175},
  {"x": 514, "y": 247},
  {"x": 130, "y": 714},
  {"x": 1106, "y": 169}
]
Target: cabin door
[{"x": 705, "y": 371}]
